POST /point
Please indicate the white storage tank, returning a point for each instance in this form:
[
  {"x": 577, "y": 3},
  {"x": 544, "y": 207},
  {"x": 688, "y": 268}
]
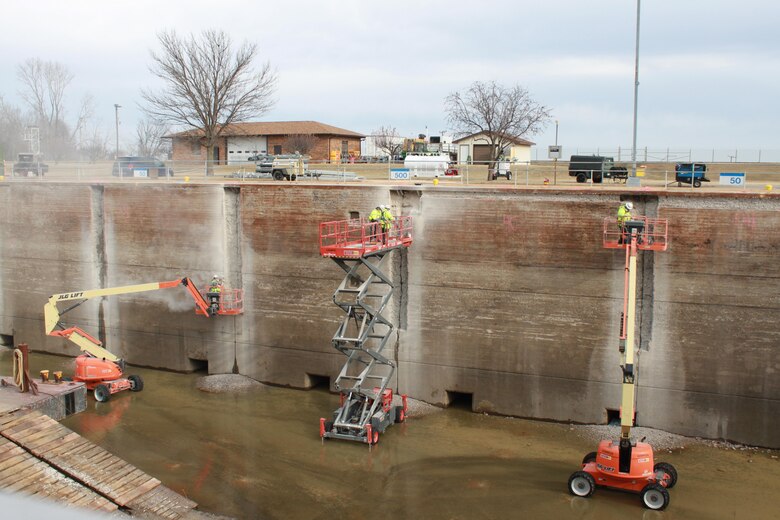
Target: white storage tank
[{"x": 427, "y": 165}]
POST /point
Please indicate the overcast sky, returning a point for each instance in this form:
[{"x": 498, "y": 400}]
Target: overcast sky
[{"x": 709, "y": 69}]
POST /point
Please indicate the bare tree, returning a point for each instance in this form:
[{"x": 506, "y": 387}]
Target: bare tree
[
  {"x": 95, "y": 146},
  {"x": 301, "y": 143},
  {"x": 150, "y": 134},
  {"x": 207, "y": 84},
  {"x": 44, "y": 90},
  {"x": 386, "y": 138},
  {"x": 502, "y": 114},
  {"x": 44, "y": 84},
  {"x": 12, "y": 125}
]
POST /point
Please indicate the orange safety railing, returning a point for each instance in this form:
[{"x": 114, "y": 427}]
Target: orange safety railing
[
  {"x": 652, "y": 236},
  {"x": 358, "y": 237},
  {"x": 231, "y": 302}
]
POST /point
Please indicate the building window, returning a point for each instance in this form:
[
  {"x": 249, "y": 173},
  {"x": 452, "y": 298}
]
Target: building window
[{"x": 195, "y": 147}]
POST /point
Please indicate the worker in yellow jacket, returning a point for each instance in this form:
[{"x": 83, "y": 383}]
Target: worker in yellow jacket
[
  {"x": 376, "y": 217},
  {"x": 623, "y": 216},
  {"x": 387, "y": 222}
]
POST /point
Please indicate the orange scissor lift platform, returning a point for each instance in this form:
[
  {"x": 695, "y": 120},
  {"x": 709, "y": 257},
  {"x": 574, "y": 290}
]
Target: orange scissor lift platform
[{"x": 366, "y": 406}]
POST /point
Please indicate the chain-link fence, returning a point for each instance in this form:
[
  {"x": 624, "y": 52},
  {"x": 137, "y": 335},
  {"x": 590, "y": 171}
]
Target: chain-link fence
[{"x": 532, "y": 173}]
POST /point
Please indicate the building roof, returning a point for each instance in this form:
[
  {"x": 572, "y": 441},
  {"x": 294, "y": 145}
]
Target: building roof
[
  {"x": 276, "y": 128},
  {"x": 513, "y": 140}
]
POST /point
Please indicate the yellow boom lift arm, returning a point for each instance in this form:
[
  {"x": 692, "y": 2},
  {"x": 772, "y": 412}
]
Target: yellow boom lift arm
[{"x": 85, "y": 341}]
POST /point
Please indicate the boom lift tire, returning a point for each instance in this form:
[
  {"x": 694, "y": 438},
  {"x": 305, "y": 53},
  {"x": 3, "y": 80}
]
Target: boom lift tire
[
  {"x": 668, "y": 474},
  {"x": 581, "y": 177},
  {"x": 655, "y": 497},
  {"x": 102, "y": 393},
  {"x": 590, "y": 457},
  {"x": 581, "y": 484},
  {"x": 136, "y": 383},
  {"x": 278, "y": 175}
]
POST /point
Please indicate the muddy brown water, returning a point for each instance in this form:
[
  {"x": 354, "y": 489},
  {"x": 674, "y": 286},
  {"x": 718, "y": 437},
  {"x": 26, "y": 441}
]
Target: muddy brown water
[{"x": 259, "y": 455}]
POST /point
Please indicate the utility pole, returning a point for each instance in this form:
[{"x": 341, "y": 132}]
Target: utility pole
[
  {"x": 116, "y": 117},
  {"x": 633, "y": 180},
  {"x": 555, "y": 170}
]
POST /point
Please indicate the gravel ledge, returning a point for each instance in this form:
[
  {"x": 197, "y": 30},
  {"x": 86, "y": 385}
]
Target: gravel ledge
[{"x": 227, "y": 383}]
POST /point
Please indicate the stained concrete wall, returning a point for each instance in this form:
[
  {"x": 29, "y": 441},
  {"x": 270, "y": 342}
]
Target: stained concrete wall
[{"x": 505, "y": 295}]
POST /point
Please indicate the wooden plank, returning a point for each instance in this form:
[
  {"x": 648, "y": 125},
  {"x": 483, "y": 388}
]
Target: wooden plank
[
  {"x": 8, "y": 420},
  {"x": 10, "y": 453},
  {"x": 78, "y": 446},
  {"x": 35, "y": 441},
  {"x": 91, "y": 453},
  {"x": 42, "y": 446},
  {"x": 132, "y": 480},
  {"x": 137, "y": 492},
  {"x": 10, "y": 468},
  {"x": 20, "y": 433},
  {"x": 22, "y": 417},
  {"x": 118, "y": 481},
  {"x": 30, "y": 476},
  {"x": 9, "y": 472}
]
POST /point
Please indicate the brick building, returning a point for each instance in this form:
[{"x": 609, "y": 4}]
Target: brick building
[{"x": 239, "y": 141}]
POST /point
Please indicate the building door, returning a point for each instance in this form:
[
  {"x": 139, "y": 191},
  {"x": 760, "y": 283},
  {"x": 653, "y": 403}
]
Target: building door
[
  {"x": 277, "y": 149},
  {"x": 482, "y": 153},
  {"x": 216, "y": 154},
  {"x": 463, "y": 153}
]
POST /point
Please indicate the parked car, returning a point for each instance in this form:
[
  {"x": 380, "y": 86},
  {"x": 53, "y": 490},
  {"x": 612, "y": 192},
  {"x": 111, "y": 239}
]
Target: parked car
[
  {"x": 140, "y": 167},
  {"x": 29, "y": 165}
]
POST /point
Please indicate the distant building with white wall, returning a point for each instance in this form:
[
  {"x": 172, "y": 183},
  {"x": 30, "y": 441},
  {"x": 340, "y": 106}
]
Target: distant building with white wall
[{"x": 475, "y": 148}]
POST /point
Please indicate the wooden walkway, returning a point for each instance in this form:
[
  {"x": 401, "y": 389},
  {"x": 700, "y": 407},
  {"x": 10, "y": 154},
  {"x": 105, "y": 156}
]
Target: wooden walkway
[{"x": 42, "y": 458}]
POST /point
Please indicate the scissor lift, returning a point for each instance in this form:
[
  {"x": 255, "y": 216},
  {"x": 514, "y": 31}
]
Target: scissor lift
[{"x": 366, "y": 405}]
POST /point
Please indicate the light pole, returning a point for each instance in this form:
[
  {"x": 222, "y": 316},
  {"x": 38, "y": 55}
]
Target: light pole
[
  {"x": 633, "y": 180},
  {"x": 116, "y": 117},
  {"x": 555, "y": 170}
]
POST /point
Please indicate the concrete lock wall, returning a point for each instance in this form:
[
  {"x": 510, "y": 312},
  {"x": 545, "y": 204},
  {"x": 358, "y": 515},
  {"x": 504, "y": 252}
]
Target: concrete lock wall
[{"x": 507, "y": 296}]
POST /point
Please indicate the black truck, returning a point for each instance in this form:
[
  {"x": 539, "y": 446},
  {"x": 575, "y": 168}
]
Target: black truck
[
  {"x": 597, "y": 168},
  {"x": 29, "y": 165}
]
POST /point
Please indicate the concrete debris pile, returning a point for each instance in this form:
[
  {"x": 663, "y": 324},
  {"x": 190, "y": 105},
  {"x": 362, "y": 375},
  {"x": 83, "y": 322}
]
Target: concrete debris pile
[{"x": 228, "y": 383}]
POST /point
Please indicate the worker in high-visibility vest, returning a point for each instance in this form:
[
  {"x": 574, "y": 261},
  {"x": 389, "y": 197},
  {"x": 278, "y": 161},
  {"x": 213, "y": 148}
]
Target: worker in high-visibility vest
[
  {"x": 387, "y": 221},
  {"x": 214, "y": 294},
  {"x": 623, "y": 216},
  {"x": 376, "y": 217}
]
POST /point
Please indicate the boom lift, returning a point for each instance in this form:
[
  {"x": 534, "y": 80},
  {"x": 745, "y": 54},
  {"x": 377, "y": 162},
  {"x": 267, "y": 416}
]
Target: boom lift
[
  {"x": 366, "y": 403},
  {"x": 626, "y": 464},
  {"x": 98, "y": 368}
]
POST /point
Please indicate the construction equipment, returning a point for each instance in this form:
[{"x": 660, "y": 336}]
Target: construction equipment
[
  {"x": 99, "y": 369},
  {"x": 596, "y": 168},
  {"x": 366, "y": 406},
  {"x": 690, "y": 172},
  {"x": 626, "y": 464},
  {"x": 280, "y": 167}
]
